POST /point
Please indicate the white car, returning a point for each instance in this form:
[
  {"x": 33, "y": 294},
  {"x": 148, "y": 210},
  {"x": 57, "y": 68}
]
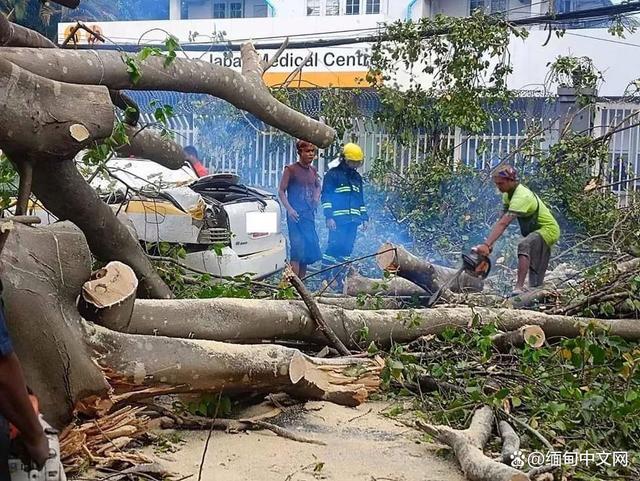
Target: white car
[{"x": 214, "y": 217}]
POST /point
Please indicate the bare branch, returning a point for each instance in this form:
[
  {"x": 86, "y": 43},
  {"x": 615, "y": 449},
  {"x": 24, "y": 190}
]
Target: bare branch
[
  {"x": 267, "y": 65},
  {"x": 14, "y": 35}
]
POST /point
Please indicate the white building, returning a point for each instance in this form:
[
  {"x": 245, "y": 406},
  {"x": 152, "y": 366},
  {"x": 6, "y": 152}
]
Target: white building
[{"x": 201, "y": 22}]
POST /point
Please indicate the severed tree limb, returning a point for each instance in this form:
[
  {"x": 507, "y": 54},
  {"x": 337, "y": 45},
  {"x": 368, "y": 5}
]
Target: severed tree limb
[
  {"x": 356, "y": 284},
  {"x": 207, "y": 366},
  {"x": 66, "y": 194},
  {"x": 533, "y": 431},
  {"x": 429, "y": 276},
  {"x": 245, "y": 90},
  {"x": 52, "y": 124},
  {"x": 468, "y": 444},
  {"x": 530, "y": 335},
  {"x": 510, "y": 442},
  {"x": 255, "y": 320},
  {"x": 14, "y": 35},
  {"x": 316, "y": 315},
  {"x": 127, "y": 105},
  {"x": 148, "y": 144}
]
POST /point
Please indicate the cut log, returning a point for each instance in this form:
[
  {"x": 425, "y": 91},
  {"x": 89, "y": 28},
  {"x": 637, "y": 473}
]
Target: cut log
[
  {"x": 468, "y": 444},
  {"x": 256, "y": 320},
  {"x": 530, "y": 335},
  {"x": 107, "y": 299},
  {"x": 201, "y": 366},
  {"x": 395, "y": 258},
  {"x": 356, "y": 284}
]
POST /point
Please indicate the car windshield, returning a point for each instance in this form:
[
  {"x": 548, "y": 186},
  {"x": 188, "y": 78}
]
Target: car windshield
[{"x": 141, "y": 174}]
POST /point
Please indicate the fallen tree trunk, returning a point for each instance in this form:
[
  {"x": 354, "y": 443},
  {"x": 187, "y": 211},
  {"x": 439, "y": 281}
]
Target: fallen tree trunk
[
  {"x": 255, "y": 320},
  {"x": 43, "y": 270},
  {"x": 468, "y": 444},
  {"x": 191, "y": 365},
  {"x": 395, "y": 258}
]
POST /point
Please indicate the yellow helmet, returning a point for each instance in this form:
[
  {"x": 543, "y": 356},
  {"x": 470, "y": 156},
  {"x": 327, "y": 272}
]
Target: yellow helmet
[{"x": 353, "y": 152}]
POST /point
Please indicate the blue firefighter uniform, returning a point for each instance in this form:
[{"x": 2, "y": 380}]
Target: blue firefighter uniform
[{"x": 343, "y": 201}]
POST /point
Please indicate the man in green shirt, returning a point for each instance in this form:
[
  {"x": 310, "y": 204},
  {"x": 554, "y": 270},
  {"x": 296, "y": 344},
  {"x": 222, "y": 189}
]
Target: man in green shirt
[{"x": 538, "y": 226}]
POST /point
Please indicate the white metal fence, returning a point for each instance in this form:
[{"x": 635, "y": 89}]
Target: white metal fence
[
  {"x": 266, "y": 151},
  {"x": 623, "y": 167}
]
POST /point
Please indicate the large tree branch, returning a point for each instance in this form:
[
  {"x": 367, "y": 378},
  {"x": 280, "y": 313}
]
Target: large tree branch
[
  {"x": 253, "y": 320},
  {"x": 14, "y": 35},
  {"x": 66, "y": 194},
  {"x": 148, "y": 144},
  {"x": 244, "y": 90},
  {"x": 42, "y": 118}
]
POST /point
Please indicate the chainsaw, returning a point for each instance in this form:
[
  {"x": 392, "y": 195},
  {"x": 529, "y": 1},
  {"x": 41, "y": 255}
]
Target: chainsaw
[
  {"x": 474, "y": 264},
  {"x": 52, "y": 470}
]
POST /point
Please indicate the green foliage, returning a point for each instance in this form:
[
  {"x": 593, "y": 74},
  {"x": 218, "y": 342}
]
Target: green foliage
[
  {"x": 465, "y": 58},
  {"x": 582, "y": 394},
  {"x": 8, "y": 182},
  {"x": 210, "y": 406},
  {"x": 444, "y": 205},
  {"x": 576, "y": 72},
  {"x": 133, "y": 63}
]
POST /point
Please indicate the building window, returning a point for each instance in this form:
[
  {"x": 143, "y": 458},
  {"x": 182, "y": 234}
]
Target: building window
[
  {"x": 489, "y": 6},
  {"x": 564, "y": 6},
  {"x": 373, "y": 7},
  {"x": 353, "y": 7},
  {"x": 260, "y": 10},
  {"x": 219, "y": 10},
  {"x": 313, "y": 7},
  {"x": 235, "y": 10},
  {"x": 333, "y": 7}
]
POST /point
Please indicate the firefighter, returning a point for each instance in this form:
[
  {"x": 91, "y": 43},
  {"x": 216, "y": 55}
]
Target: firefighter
[{"x": 344, "y": 209}]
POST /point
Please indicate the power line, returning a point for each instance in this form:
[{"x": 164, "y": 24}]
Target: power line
[
  {"x": 557, "y": 18},
  {"x": 609, "y": 40}
]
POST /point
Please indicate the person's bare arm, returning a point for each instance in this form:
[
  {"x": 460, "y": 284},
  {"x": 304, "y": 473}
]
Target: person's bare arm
[
  {"x": 497, "y": 230},
  {"x": 282, "y": 194}
]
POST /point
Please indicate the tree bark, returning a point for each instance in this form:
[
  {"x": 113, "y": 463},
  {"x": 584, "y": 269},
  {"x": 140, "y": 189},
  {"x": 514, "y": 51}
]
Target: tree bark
[
  {"x": 43, "y": 270},
  {"x": 468, "y": 444},
  {"x": 63, "y": 191},
  {"x": 194, "y": 365},
  {"x": 314, "y": 311},
  {"x": 395, "y": 258},
  {"x": 107, "y": 298},
  {"x": 44, "y": 119},
  {"x": 244, "y": 90},
  {"x": 356, "y": 284},
  {"x": 14, "y": 35},
  {"x": 148, "y": 144},
  {"x": 255, "y": 320}
]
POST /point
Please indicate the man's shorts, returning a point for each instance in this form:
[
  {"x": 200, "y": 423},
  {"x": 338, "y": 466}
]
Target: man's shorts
[
  {"x": 536, "y": 249},
  {"x": 6, "y": 347},
  {"x": 303, "y": 241}
]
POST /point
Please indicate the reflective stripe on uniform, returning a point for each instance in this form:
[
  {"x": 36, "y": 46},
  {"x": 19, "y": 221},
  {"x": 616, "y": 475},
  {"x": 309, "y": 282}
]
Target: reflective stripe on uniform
[{"x": 327, "y": 205}]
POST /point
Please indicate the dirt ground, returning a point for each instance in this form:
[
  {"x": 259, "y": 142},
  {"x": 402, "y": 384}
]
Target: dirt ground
[{"x": 362, "y": 445}]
